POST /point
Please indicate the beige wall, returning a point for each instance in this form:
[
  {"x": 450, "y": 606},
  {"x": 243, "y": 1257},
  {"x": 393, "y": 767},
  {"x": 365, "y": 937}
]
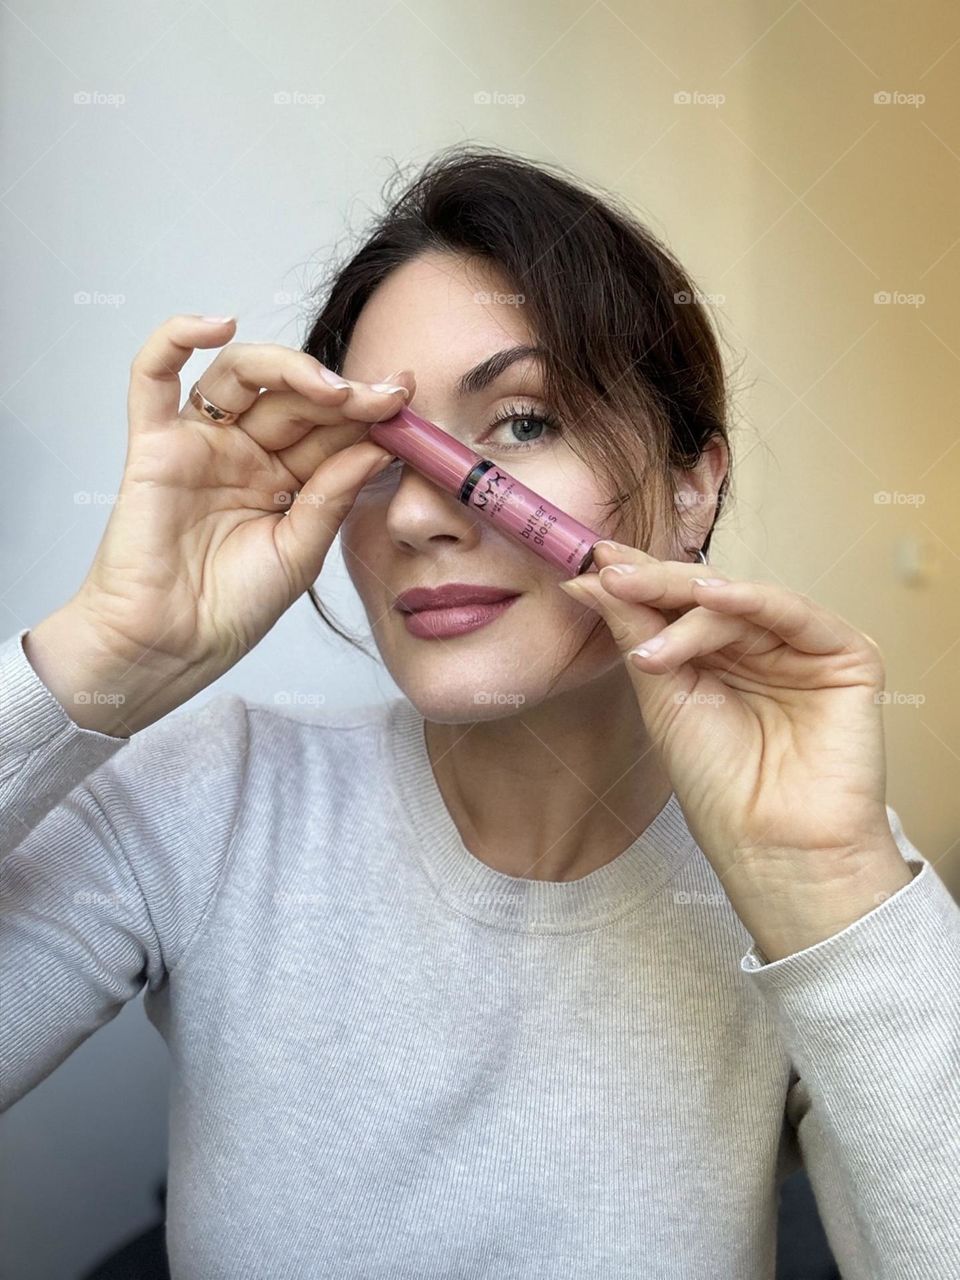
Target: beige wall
[
  {"x": 850, "y": 198},
  {"x": 794, "y": 201}
]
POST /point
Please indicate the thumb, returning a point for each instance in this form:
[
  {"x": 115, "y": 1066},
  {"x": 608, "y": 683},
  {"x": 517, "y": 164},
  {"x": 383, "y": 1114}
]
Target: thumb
[{"x": 305, "y": 534}]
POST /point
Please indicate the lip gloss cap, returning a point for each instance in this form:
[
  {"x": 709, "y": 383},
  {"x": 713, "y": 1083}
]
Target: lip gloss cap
[{"x": 434, "y": 453}]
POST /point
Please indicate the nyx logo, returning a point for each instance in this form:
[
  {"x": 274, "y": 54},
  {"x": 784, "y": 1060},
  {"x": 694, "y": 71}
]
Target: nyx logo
[{"x": 491, "y": 480}]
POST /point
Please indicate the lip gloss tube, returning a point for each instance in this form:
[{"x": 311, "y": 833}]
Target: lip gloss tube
[{"x": 485, "y": 487}]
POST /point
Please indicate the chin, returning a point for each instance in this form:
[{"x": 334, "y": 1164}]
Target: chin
[
  {"x": 455, "y": 689},
  {"x": 457, "y": 701},
  {"x": 463, "y": 680},
  {"x": 466, "y": 713}
]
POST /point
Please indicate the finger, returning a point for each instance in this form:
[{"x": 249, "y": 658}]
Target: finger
[
  {"x": 631, "y": 625},
  {"x": 659, "y": 584},
  {"x": 280, "y": 420},
  {"x": 307, "y": 454},
  {"x": 794, "y": 618},
  {"x": 635, "y": 575},
  {"x": 154, "y": 394},
  {"x": 242, "y": 370},
  {"x": 698, "y": 634},
  {"x": 306, "y": 533}
]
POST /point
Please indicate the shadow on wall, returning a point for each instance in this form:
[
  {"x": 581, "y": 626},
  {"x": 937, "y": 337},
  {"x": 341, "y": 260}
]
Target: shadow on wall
[{"x": 802, "y": 1249}]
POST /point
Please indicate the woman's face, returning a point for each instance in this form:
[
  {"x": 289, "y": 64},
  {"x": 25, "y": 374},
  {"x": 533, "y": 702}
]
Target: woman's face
[{"x": 439, "y": 316}]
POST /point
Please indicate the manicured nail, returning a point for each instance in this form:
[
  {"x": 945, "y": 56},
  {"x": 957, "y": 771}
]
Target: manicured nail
[
  {"x": 614, "y": 546},
  {"x": 216, "y": 319},
  {"x": 573, "y": 586},
  {"x": 648, "y": 647},
  {"x": 620, "y": 568},
  {"x": 333, "y": 378},
  {"x": 388, "y": 388},
  {"x": 711, "y": 582}
]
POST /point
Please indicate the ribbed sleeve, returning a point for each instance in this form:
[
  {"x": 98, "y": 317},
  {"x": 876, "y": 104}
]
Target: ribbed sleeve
[
  {"x": 111, "y": 854},
  {"x": 42, "y": 751},
  {"x": 871, "y": 1020}
]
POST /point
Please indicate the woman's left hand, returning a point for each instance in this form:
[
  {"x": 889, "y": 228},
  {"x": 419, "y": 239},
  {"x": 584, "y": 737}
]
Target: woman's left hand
[{"x": 764, "y": 708}]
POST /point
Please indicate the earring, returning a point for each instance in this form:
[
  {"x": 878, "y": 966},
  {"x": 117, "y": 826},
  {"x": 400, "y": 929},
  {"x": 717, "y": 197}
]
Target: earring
[{"x": 699, "y": 554}]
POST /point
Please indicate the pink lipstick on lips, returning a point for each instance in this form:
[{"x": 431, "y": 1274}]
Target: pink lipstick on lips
[
  {"x": 485, "y": 487},
  {"x": 451, "y": 610}
]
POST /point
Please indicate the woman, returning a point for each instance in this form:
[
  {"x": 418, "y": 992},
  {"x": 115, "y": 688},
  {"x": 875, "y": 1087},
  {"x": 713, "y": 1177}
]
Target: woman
[{"x": 557, "y": 964}]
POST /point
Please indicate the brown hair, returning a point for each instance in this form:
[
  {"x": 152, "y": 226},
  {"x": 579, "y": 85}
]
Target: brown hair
[{"x": 632, "y": 368}]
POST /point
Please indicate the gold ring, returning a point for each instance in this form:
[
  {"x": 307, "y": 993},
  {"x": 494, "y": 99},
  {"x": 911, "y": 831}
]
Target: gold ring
[{"x": 223, "y": 417}]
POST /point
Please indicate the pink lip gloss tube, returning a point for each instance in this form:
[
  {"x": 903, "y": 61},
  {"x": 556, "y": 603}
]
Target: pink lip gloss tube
[{"x": 485, "y": 487}]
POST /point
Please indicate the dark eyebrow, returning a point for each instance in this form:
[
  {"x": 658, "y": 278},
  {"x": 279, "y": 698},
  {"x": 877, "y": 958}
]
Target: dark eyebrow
[{"x": 487, "y": 371}]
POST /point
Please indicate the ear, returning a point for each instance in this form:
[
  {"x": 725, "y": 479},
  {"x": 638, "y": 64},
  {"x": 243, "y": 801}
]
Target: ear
[{"x": 697, "y": 489}]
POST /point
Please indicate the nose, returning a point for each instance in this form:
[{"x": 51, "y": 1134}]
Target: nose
[{"x": 422, "y": 517}]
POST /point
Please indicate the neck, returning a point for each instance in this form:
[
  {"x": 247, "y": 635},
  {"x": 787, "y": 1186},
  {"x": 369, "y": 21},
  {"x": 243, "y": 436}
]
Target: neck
[{"x": 556, "y": 791}]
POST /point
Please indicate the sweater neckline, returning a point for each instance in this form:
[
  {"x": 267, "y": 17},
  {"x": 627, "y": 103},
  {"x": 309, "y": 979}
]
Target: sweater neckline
[{"x": 515, "y": 903}]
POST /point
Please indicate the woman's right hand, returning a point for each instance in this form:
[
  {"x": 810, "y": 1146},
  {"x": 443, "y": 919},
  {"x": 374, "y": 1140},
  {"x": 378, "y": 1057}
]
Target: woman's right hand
[{"x": 216, "y": 530}]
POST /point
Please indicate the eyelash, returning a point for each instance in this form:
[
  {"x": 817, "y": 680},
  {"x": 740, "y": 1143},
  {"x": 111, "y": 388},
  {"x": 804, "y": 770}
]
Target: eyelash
[{"x": 511, "y": 413}]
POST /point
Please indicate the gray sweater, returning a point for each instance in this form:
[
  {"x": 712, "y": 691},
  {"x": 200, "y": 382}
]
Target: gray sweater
[{"x": 391, "y": 1060}]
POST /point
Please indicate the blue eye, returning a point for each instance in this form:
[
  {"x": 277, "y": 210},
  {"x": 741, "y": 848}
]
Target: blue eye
[{"x": 542, "y": 426}]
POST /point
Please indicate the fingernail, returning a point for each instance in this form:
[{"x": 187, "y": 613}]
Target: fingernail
[
  {"x": 579, "y": 589},
  {"x": 614, "y": 546},
  {"x": 216, "y": 319},
  {"x": 710, "y": 582},
  {"x": 619, "y": 568},
  {"x": 380, "y": 465},
  {"x": 388, "y": 388},
  {"x": 333, "y": 378},
  {"x": 648, "y": 647}
]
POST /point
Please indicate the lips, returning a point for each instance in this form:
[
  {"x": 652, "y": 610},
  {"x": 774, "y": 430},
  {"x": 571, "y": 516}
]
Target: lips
[{"x": 450, "y": 596}]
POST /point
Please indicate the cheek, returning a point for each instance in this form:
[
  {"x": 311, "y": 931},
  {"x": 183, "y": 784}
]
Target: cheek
[
  {"x": 572, "y": 488},
  {"x": 362, "y": 539}
]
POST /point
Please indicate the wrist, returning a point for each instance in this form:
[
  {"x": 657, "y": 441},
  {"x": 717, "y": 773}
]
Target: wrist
[
  {"x": 99, "y": 687},
  {"x": 787, "y": 913}
]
